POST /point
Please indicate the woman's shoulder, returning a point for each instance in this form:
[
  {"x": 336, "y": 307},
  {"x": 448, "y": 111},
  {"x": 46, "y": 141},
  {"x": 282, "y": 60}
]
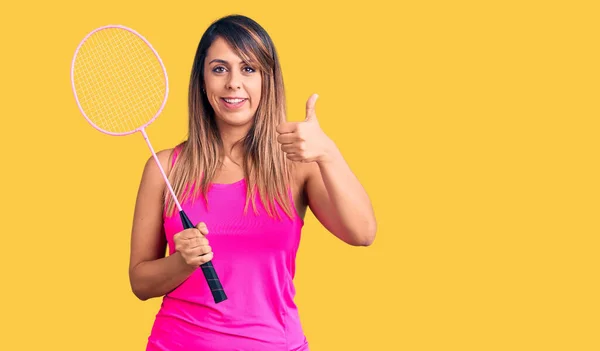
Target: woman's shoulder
[{"x": 166, "y": 157}]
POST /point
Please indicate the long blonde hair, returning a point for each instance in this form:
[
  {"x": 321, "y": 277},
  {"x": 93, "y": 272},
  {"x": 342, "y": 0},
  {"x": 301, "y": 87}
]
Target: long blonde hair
[{"x": 266, "y": 168}]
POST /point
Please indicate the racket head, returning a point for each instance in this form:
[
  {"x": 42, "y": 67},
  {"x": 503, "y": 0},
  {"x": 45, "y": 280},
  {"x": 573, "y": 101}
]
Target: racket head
[{"x": 119, "y": 81}]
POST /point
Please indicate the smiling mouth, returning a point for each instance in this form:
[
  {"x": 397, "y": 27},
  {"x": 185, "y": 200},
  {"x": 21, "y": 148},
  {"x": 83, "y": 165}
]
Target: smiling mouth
[
  {"x": 233, "y": 101},
  {"x": 233, "y": 104}
]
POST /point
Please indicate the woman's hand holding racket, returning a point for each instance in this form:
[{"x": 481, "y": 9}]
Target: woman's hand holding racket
[{"x": 193, "y": 246}]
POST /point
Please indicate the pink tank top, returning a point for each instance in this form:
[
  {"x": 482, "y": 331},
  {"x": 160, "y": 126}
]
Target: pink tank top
[{"x": 254, "y": 257}]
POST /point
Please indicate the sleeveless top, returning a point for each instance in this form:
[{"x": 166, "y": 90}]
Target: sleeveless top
[{"x": 254, "y": 257}]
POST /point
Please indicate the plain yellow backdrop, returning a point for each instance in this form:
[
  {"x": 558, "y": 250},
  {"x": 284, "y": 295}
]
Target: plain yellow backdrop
[{"x": 473, "y": 125}]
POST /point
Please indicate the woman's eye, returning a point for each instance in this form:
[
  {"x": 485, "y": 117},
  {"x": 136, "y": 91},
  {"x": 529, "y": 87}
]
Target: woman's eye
[{"x": 221, "y": 69}]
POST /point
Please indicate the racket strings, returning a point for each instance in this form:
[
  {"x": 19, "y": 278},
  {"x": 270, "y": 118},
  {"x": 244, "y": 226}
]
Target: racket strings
[{"x": 120, "y": 83}]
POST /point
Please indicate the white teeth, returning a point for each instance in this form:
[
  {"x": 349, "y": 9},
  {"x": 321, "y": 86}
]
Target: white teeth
[{"x": 234, "y": 101}]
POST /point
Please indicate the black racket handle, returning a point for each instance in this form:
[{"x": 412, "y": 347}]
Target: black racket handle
[{"x": 207, "y": 268}]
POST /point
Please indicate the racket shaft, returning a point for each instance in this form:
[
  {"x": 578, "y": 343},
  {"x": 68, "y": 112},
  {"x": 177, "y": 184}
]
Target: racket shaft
[{"x": 207, "y": 268}]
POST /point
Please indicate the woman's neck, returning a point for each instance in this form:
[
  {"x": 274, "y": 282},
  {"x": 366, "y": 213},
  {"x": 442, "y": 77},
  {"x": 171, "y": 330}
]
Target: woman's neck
[{"x": 231, "y": 136}]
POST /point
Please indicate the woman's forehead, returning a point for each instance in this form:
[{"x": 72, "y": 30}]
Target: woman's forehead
[{"x": 221, "y": 50}]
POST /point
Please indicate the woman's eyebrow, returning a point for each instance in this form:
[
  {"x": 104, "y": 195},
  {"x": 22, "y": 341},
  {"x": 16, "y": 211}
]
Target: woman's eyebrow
[{"x": 223, "y": 61}]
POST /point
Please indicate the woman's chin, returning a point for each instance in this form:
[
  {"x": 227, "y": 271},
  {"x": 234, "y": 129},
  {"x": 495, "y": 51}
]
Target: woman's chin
[{"x": 236, "y": 121}]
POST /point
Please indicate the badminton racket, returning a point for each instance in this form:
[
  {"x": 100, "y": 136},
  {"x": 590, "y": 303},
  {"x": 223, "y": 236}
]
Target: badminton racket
[{"x": 121, "y": 86}]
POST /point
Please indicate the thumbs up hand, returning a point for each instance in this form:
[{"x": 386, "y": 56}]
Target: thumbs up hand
[{"x": 305, "y": 141}]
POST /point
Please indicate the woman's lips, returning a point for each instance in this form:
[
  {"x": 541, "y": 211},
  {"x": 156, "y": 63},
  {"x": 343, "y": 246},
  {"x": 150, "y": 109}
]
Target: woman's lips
[{"x": 233, "y": 103}]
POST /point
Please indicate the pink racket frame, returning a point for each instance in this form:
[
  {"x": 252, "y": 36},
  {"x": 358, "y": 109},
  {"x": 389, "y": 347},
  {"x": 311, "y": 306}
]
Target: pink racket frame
[
  {"x": 155, "y": 54},
  {"x": 141, "y": 129}
]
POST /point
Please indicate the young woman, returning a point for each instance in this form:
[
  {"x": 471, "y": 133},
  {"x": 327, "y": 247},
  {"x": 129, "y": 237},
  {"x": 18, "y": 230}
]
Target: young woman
[{"x": 246, "y": 176}]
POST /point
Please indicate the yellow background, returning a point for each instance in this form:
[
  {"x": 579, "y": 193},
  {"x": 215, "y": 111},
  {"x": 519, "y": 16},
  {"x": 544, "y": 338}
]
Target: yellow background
[{"x": 473, "y": 125}]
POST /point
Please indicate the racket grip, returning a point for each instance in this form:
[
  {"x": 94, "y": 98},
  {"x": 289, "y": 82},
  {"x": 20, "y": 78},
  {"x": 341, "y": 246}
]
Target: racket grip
[{"x": 207, "y": 268}]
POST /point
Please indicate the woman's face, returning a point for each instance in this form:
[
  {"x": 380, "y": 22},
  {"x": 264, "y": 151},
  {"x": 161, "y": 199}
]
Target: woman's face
[{"x": 232, "y": 87}]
